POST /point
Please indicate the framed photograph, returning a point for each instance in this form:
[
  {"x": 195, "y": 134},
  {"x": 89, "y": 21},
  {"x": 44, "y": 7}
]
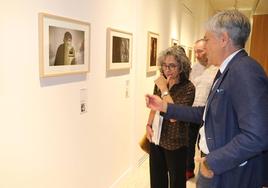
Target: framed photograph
[
  {"x": 119, "y": 49},
  {"x": 174, "y": 42},
  {"x": 152, "y": 51},
  {"x": 190, "y": 54},
  {"x": 64, "y": 45},
  {"x": 185, "y": 48}
]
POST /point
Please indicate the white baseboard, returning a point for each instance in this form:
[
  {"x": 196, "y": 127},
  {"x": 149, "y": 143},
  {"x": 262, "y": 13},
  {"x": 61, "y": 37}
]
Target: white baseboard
[
  {"x": 121, "y": 178},
  {"x": 142, "y": 159},
  {"x": 127, "y": 173}
]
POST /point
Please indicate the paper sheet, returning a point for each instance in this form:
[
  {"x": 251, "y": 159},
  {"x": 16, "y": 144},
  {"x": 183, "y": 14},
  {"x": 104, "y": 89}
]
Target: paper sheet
[{"x": 157, "y": 127}]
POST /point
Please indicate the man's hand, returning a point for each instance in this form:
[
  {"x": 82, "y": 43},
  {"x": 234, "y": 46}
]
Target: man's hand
[
  {"x": 204, "y": 169},
  {"x": 155, "y": 103}
]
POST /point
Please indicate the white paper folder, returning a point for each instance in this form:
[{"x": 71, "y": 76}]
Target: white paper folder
[{"x": 157, "y": 127}]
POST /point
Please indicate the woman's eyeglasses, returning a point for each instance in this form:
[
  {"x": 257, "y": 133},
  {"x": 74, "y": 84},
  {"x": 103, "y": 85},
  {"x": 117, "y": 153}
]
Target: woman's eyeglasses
[{"x": 171, "y": 66}]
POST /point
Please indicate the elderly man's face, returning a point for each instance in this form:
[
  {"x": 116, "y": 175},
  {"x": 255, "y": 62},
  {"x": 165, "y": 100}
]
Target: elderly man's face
[
  {"x": 200, "y": 53},
  {"x": 213, "y": 48}
]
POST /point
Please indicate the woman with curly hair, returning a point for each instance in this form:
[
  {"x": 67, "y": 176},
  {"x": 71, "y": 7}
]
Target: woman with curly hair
[{"x": 168, "y": 159}]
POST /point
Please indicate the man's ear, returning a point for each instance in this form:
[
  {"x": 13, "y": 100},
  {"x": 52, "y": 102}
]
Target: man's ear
[{"x": 225, "y": 39}]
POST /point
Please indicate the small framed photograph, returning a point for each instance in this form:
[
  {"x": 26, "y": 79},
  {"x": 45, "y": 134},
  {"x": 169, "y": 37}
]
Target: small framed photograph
[
  {"x": 185, "y": 49},
  {"x": 174, "y": 42},
  {"x": 152, "y": 51},
  {"x": 190, "y": 54},
  {"x": 119, "y": 49},
  {"x": 64, "y": 45}
]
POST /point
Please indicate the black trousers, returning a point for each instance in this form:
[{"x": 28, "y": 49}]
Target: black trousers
[
  {"x": 167, "y": 166},
  {"x": 193, "y": 132}
]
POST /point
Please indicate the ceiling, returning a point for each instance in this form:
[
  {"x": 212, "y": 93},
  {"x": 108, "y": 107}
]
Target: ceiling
[{"x": 248, "y": 7}]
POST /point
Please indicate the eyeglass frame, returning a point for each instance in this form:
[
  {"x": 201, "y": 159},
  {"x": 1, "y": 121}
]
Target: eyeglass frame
[{"x": 170, "y": 67}]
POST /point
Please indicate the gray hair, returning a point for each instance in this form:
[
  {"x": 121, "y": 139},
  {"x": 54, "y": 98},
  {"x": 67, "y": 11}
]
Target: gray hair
[
  {"x": 233, "y": 22},
  {"x": 184, "y": 64}
]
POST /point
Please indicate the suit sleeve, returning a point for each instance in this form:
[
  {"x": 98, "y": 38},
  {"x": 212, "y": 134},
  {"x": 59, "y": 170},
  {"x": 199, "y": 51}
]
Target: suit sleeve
[
  {"x": 185, "y": 113},
  {"x": 182, "y": 110}
]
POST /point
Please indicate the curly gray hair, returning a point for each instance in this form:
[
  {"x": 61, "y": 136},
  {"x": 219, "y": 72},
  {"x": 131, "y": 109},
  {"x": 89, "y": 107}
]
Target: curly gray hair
[{"x": 184, "y": 64}]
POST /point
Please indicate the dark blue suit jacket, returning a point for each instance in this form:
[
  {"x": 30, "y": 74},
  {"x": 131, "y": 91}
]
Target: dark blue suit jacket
[{"x": 236, "y": 123}]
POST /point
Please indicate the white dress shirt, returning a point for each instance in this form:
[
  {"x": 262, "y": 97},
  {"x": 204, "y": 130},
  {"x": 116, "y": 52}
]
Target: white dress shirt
[{"x": 202, "y": 142}]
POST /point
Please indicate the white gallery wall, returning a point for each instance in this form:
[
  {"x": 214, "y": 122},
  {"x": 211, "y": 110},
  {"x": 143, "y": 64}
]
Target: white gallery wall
[{"x": 44, "y": 140}]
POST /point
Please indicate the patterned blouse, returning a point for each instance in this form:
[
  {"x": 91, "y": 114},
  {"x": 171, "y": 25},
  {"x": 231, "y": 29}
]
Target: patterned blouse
[{"x": 175, "y": 134}]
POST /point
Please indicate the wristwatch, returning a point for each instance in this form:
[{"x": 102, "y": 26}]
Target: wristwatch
[{"x": 165, "y": 93}]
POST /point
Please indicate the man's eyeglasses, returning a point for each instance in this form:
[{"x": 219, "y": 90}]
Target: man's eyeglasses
[{"x": 171, "y": 66}]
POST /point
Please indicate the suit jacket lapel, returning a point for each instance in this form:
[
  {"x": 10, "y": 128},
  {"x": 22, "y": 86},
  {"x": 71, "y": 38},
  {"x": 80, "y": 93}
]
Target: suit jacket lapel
[{"x": 221, "y": 78}]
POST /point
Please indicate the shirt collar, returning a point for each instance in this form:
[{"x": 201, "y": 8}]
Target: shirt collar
[{"x": 227, "y": 60}]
